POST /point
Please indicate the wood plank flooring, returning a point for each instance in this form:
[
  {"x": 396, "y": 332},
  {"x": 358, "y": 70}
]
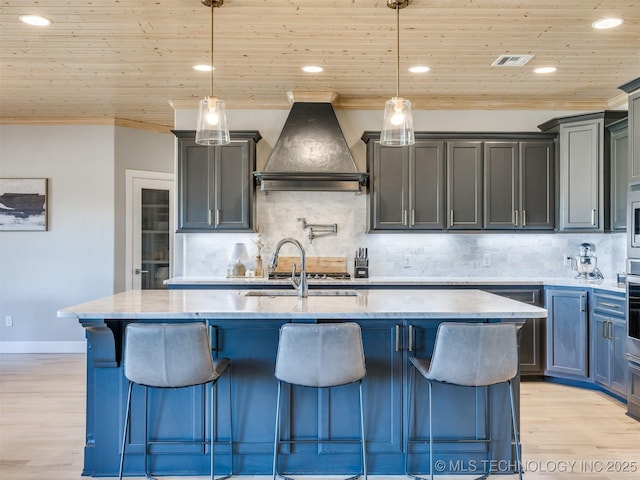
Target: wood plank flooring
[{"x": 567, "y": 433}]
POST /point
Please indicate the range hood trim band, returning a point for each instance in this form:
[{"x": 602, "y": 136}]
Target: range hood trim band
[{"x": 311, "y": 181}]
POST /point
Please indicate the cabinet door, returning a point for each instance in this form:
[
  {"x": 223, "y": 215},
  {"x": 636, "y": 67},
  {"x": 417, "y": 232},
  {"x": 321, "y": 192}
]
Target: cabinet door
[
  {"x": 232, "y": 186},
  {"x": 426, "y": 186},
  {"x": 567, "y": 341},
  {"x": 601, "y": 345},
  {"x": 537, "y": 185},
  {"x": 501, "y": 185},
  {"x": 619, "y": 175},
  {"x": 193, "y": 186},
  {"x": 390, "y": 193},
  {"x": 464, "y": 185},
  {"x": 619, "y": 367},
  {"x": 580, "y": 154},
  {"x": 634, "y": 138}
]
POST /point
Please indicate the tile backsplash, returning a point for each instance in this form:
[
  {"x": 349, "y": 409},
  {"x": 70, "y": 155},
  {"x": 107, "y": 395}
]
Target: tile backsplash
[{"x": 529, "y": 255}]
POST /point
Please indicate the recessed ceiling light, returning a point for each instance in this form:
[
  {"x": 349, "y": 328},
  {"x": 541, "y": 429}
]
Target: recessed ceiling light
[
  {"x": 35, "y": 20},
  {"x": 419, "y": 69},
  {"x": 604, "y": 23},
  {"x": 203, "y": 68},
  {"x": 545, "y": 69},
  {"x": 312, "y": 69}
]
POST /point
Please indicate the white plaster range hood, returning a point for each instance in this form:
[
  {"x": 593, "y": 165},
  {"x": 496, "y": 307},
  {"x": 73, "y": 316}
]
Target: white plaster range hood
[{"x": 311, "y": 153}]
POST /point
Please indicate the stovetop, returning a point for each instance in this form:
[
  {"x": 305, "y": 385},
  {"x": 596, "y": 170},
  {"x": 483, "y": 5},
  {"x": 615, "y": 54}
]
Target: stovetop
[{"x": 313, "y": 275}]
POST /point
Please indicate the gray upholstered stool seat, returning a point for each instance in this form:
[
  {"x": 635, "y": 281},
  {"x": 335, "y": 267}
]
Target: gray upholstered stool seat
[
  {"x": 471, "y": 355},
  {"x": 169, "y": 356},
  {"x": 321, "y": 356}
]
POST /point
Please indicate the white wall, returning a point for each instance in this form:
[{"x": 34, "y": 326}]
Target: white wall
[{"x": 73, "y": 261}]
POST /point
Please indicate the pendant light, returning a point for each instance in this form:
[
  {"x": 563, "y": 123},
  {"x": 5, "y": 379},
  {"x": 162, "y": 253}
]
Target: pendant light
[
  {"x": 397, "y": 128},
  {"x": 212, "y": 128}
]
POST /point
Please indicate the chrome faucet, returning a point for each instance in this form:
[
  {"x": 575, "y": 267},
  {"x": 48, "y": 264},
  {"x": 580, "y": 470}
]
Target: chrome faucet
[{"x": 301, "y": 284}]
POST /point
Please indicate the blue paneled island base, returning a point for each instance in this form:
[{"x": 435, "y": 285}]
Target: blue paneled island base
[{"x": 395, "y": 325}]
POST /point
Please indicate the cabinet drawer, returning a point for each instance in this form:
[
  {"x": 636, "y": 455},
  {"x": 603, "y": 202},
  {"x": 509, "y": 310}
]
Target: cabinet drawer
[{"x": 609, "y": 304}]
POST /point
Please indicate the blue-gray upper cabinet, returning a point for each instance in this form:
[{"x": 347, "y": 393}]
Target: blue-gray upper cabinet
[
  {"x": 633, "y": 89},
  {"x": 519, "y": 188},
  {"x": 584, "y": 156},
  {"x": 619, "y": 174},
  {"x": 464, "y": 185},
  {"x": 567, "y": 333},
  {"x": 407, "y": 188},
  {"x": 215, "y": 184}
]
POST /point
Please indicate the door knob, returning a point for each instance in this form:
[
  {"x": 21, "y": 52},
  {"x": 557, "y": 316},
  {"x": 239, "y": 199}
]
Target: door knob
[{"x": 139, "y": 271}]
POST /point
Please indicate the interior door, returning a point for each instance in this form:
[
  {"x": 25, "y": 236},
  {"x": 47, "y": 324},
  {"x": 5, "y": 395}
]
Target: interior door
[{"x": 149, "y": 229}]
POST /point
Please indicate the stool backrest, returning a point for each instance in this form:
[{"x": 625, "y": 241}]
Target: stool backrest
[
  {"x": 168, "y": 355},
  {"x": 474, "y": 354},
  {"x": 320, "y": 355}
]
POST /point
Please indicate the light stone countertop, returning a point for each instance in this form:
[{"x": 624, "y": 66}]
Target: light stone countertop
[
  {"x": 235, "y": 304},
  {"x": 609, "y": 285}
]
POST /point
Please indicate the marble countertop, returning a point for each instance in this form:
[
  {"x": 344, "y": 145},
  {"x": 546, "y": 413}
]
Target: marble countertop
[
  {"x": 374, "y": 304},
  {"x": 241, "y": 282}
]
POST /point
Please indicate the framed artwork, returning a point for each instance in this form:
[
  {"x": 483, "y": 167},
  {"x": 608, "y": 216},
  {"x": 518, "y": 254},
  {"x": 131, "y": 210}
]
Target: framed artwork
[{"x": 23, "y": 204}]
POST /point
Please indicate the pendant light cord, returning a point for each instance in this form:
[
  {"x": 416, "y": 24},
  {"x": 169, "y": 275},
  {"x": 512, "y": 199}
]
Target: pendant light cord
[
  {"x": 397, "y": 48},
  {"x": 211, "y": 76}
]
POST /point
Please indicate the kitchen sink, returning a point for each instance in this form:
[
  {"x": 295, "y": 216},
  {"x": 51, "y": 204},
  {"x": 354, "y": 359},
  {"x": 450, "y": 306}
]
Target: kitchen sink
[{"x": 294, "y": 293}]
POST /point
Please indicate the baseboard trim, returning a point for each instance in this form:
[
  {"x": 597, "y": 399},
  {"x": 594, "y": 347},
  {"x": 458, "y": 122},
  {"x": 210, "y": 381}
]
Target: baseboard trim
[{"x": 43, "y": 347}]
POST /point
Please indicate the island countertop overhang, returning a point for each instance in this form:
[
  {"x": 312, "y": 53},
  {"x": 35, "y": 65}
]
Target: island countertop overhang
[{"x": 374, "y": 304}]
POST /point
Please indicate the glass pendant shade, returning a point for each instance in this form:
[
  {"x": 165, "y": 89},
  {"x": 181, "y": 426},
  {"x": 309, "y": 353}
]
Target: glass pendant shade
[
  {"x": 212, "y": 127},
  {"x": 397, "y": 128}
]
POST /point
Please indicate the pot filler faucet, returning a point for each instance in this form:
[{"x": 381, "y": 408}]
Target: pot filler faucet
[{"x": 301, "y": 284}]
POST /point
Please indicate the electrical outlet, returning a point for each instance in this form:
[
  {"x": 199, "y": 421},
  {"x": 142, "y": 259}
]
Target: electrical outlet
[
  {"x": 8, "y": 321},
  {"x": 486, "y": 260},
  {"x": 566, "y": 260},
  {"x": 406, "y": 261}
]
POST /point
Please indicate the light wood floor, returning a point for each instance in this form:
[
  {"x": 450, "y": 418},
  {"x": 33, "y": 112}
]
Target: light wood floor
[{"x": 567, "y": 433}]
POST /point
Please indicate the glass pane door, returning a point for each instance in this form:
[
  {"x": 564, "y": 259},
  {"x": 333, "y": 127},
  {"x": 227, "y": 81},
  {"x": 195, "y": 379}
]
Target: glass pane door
[{"x": 155, "y": 239}]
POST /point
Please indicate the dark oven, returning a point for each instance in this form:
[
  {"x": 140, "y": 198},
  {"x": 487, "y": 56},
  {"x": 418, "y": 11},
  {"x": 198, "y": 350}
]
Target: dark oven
[
  {"x": 633, "y": 225},
  {"x": 633, "y": 307}
]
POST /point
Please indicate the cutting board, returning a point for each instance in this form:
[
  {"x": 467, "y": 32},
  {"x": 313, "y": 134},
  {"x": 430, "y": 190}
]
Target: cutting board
[{"x": 314, "y": 264}]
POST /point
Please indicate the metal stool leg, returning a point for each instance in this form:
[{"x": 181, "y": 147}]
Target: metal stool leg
[
  {"x": 430, "y": 433},
  {"x": 276, "y": 440},
  {"x": 125, "y": 430},
  {"x": 515, "y": 431},
  {"x": 364, "y": 444}
]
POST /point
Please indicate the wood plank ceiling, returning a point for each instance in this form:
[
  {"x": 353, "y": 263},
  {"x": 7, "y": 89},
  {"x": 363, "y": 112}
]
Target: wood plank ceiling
[{"x": 131, "y": 60}]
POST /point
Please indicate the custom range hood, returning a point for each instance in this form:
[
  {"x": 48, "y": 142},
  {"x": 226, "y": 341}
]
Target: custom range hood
[{"x": 311, "y": 153}]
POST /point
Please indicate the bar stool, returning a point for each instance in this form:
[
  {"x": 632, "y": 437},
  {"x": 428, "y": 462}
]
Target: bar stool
[
  {"x": 170, "y": 356},
  {"x": 320, "y": 356},
  {"x": 472, "y": 355}
]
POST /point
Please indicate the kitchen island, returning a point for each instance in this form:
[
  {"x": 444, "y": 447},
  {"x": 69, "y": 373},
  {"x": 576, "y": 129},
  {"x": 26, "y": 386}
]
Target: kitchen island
[{"x": 244, "y": 326}]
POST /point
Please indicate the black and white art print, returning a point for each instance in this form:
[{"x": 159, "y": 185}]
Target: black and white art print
[{"x": 23, "y": 204}]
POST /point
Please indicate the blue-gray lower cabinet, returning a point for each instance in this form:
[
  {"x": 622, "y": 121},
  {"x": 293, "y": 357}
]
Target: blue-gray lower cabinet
[
  {"x": 608, "y": 342},
  {"x": 567, "y": 333}
]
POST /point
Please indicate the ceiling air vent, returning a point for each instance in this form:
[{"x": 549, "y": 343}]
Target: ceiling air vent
[{"x": 512, "y": 60}]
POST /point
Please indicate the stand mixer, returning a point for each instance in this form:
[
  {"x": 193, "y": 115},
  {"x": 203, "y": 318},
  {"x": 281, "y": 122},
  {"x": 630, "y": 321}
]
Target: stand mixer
[{"x": 585, "y": 264}]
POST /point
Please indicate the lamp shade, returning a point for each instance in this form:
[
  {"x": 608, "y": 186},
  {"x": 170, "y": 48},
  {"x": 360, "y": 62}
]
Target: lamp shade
[
  {"x": 397, "y": 128},
  {"x": 212, "y": 128},
  {"x": 239, "y": 253}
]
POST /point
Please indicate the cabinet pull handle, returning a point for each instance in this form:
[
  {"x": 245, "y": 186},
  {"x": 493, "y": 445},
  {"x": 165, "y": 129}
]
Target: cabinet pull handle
[
  {"x": 397, "y": 338},
  {"x": 604, "y": 329},
  {"x": 411, "y": 338},
  {"x": 515, "y": 215},
  {"x": 209, "y": 217},
  {"x": 404, "y": 218},
  {"x": 413, "y": 217},
  {"x": 217, "y": 217},
  {"x": 451, "y": 217},
  {"x": 593, "y": 217},
  {"x": 610, "y": 330},
  {"x": 583, "y": 303},
  {"x": 524, "y": 218},
  {"x": 610, "y": 305},
  {"x": 211, "y": 339}
]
